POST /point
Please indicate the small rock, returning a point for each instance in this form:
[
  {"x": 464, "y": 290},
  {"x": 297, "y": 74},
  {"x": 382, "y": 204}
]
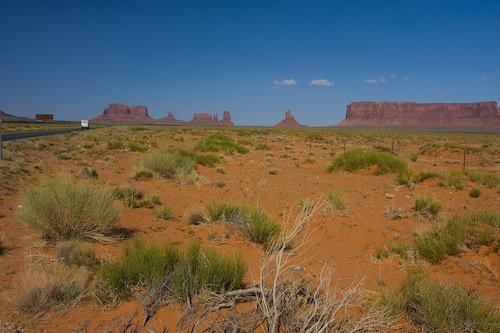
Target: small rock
[{"x": 389, "y": 196}]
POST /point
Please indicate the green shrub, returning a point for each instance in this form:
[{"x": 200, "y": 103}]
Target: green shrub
[
  {"x": 169, "y": 270},
  {"x": 156, "y": 200},
  {"x": 143, "y": 175},
  {"x": 440, "y": 307},
  {"x": 259, "y": 227},
  {"x": 413, "y": 157},
  {"x": 452, "y": 178},
  {"x": 135, "y": 147},
  {"x": 88, "y": 173},
  {"x": 77, "y": 253},
  {"x": 63, "y": 210},
  {"x": 217, "y": 142},
  {"x": 425, "y": 174},
  {"x": 262, "y": 146},
  {"x": 405, "y": 177},
  {"x": 115, "y": 145},
  {"x": 273, "y": 172},
  {"x": 170, "y": 164},
  {"x": 490, "y": 180},
  {"x": 358, "y": 159},
  {"x": 165, "y": 213},
  {"x": 428, "y": 207},
  {"x": 145, "y": 203},
  {"x": 336, "y": 201},
  {"x": 435, "y": 244},
  {"x": 475, "y": 192},
  {"x": 139, "y": 265}
]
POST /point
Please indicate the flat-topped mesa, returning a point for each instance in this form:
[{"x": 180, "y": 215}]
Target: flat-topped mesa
[
  {"x": 457, "y": 116},
  {"x": 289, "y": 121},
  {"x": 119, "y": 113},
  {"x": 212, "y": 119},
  {"x": 6, "y": 116},
  {"x": 169, "y": 119}
]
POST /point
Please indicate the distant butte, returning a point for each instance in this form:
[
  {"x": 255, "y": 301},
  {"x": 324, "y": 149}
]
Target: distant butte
[
  {"x": 119, "y": 113},
  {"x": 169, "y": 119},
  {"x": 289, "y": 121},
  {"x": 480, "y": 117},
  {"x": 212, "y": 119},
  {"x": 6, "y": 116}
]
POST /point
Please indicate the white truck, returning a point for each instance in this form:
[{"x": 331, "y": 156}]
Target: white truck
[{"x": 85, "y": 124}]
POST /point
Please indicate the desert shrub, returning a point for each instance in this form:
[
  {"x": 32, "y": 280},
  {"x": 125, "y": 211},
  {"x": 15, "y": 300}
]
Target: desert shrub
[
  {"x": 217, "y": 142},
  {"x": 413, "y": 157},
  {"x": 143, "y": 175},
  {"x": 62, "y": 210},
  {"x": 139, "y": 265},
  {"x": 336, "y": 201},
  {"x": 170, "y": 164},
  {"x": 358, "y": 159},
  {"x": 273, "y": 172},
  {"x": 77, "y": 253},
  {"x": 135, "y": 147},
  {"x": 146, "y": 203},
  {"x": 424, "y": 174},
  {"x": 111, "y": 145},
  {"x": 306, "y": 204},
  {"x": 165, "y": 213},
  {"x": 440, "y": 307},
  {"x": 475, "y": 192},
  {"x": 262, "y": 146},
  {"x": 428, "y": 207},
  {"x": 405, "y": 177},
  {"x": 435, "y": 244},
  {"x": 168, "y": 270},
  {"x": 127, "y": 192},
  {"x": 259, "y": 227},
  {"x": 490, "y": 180},
  {"x": 50, "y": 286},
  {"x": 196, "y": 217},
  {"x": 156, "y": 200},
  {"x": 88, "y": 173},
  {"x": 383, "y": 149}
]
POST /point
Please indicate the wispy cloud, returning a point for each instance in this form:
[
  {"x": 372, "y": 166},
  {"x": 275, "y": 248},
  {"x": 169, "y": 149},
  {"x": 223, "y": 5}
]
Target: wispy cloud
[
  {"x": 322, "y": 82},
  {"x": 286, "y": 82},
  {"x": 392, "y": 76},
  {"x": 406, "y": 78},
  {"x": 382, "y": 79},
  {"x": 371, "y": 81},
  {"x": 484, "y": 78}
]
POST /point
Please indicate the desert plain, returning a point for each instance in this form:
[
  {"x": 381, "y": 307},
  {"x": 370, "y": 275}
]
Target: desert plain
[{"x": 360, "y": 227}]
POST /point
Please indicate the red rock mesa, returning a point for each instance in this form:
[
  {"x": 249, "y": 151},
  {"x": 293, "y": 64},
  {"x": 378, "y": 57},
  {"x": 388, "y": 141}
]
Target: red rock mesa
[
  {"x": 119, "y": 113},
  {"x": 209, "y": 119},
  {"x": 169, "y": 119}
]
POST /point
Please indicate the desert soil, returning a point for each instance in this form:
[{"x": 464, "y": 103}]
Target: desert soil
[{"x": 276, "y": 180}]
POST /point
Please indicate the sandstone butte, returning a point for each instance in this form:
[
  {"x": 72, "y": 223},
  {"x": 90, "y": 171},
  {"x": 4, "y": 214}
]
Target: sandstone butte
[
  {"x": 209, "y": 119},
  {"x": 478, "y": 117},
  {"x": 119, "y": 113},
  {"x": 289, "y": 121},
  {"x": 169, "y": 119}
]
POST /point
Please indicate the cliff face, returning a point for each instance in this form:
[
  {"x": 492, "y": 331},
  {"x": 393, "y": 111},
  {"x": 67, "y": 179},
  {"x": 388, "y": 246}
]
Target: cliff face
[
  {"x": 119, "y": 113},
  {"x": 473, "y": 116},
  {"x": 212, "y": 119},
  {"x": 289, "y": 121}
]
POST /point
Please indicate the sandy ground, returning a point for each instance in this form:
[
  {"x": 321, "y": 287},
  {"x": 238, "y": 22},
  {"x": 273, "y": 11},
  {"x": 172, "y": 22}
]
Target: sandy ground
[{"x": 345, "y": 241}]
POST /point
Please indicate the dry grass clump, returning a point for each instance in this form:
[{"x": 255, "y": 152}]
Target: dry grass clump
[
  {"x": 358, "y": 159},
  {"x": 440, "y": 307},
  {"x": 77, "y": 253},
  {"x": 172, "y": 165},
  {"x": 51, "y": 286},
  {"x": 62, "y": 209}
]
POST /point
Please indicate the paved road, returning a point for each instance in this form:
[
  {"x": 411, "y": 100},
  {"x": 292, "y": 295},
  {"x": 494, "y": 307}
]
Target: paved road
[{"x": 8, "y": 136}]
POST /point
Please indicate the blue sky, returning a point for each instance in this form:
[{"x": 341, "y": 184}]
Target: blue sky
[{"x": 255, "y": 59}]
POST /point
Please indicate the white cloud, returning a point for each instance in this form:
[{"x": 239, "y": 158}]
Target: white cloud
[
  {"x": 392, "y": 76},
  {"x": 322, "y": 82},
  {"x": 371, "y": 81},
  {"x": 406, "y": 78},
  {"x": 285, "y": 82},
  {"x": 382, "y": 79}
]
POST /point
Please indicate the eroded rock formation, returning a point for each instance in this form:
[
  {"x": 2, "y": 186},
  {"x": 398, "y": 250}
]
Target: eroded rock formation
[
  {"x": 6, "y": 116},
  {"x": 289, "y": 121},
  {"x": 212, "y": 119},
  {"x": 481, "y": 116},
  {"x": 119, "y": 113},
  {"x": 169, "y": 119}
]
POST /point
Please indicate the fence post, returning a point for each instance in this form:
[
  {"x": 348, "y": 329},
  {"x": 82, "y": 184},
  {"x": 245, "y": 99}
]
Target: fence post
[
  {"x": 344, "y": 146},
  {"x": 465, "y": 152},
  {"x": 310, "y": 146}
]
